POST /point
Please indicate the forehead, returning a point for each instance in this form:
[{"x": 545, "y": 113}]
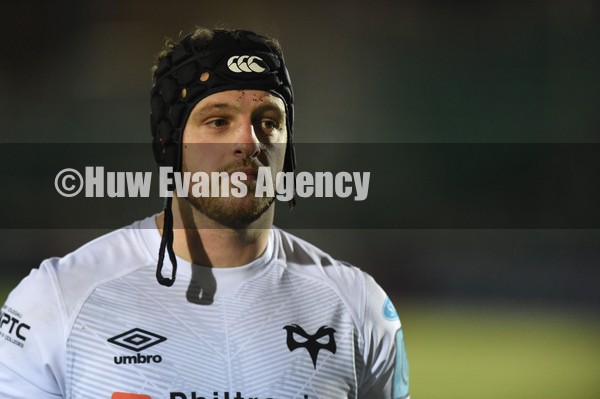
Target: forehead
[{"x": 239, "y": 100}]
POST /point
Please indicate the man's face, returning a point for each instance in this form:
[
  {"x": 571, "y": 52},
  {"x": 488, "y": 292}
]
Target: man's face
[{"x": 235, "y": 131}]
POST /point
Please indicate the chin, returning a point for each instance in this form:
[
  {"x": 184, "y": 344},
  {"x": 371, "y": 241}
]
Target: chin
[{"x": 231, "y": 212}]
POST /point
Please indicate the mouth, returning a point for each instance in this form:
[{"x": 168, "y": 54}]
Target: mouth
[{"x": 250, "y": 173}]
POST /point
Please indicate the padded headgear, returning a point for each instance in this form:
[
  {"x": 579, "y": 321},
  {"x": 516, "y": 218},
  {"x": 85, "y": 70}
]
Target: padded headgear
[{"x": 233, "y": 60}]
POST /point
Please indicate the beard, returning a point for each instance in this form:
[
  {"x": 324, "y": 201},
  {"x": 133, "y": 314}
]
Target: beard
[
  {"x": 235, "y": 213},
  {"x": 231, "y": 211}
]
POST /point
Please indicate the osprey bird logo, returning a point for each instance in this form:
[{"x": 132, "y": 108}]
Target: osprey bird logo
[{"x": 322, "y": 339}]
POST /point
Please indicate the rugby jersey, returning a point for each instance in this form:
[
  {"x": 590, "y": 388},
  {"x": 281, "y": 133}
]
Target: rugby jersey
[{"x": 293, "y": 323}]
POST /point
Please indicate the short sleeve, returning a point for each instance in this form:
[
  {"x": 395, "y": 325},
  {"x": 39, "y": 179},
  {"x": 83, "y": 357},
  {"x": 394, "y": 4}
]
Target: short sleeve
[
  {"x": 385, "y": 359},
  {"x": 32, "y": 345}
]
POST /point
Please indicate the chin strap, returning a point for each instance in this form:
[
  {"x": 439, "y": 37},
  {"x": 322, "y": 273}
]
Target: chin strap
[{"x": 167, "y": 243}]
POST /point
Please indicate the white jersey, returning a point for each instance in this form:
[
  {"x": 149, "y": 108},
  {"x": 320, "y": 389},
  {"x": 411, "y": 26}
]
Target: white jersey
[{"x": 293, "y": 323}]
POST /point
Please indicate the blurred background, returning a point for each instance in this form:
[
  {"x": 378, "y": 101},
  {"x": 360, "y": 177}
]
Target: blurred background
[{"x": 487, "y": 313}]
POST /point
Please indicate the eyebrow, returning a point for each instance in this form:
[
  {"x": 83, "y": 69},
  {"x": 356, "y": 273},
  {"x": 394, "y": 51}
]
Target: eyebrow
[
  {"x": 270, "y": 106},
  {"x": 209, "y": 107}
]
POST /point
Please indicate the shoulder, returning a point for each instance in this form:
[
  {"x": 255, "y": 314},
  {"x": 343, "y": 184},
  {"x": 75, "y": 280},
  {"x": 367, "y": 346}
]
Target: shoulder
[
  {"x": 68, "y": 280},
  {"x": 108, "y": 256},
  {"x": 309, "y": 260},
  {"x": 303, "y": 260}
]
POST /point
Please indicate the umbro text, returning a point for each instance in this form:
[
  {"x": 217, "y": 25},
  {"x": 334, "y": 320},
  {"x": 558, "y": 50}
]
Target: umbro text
[{"x": 139, "y": 359}]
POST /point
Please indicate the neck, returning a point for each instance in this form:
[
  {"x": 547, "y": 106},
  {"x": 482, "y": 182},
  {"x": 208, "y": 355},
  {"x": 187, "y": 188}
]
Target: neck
[{"x": 202, "y": 241}]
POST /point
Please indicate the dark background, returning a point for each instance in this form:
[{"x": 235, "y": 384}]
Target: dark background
[
  {"x": 503, "y": 308},
  {"x": 363, "y": 72}
]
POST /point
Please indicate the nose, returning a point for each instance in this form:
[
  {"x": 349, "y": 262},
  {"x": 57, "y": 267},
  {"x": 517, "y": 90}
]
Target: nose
[{"x": 248, "y": 145}]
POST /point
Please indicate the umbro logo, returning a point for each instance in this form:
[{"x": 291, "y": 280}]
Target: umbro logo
[
  {"x": 246, "y": 63},
  {"x": 322, "y": 339},
  {"x": 136, "y": 339}
]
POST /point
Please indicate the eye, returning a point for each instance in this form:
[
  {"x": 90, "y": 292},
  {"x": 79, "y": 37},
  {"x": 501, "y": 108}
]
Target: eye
[
  {"x": 217, "y": 122},
  {"x": 267, "y": 124}
]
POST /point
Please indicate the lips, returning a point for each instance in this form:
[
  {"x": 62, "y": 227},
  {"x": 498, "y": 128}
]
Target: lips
[{"x": 251, "y": 173}]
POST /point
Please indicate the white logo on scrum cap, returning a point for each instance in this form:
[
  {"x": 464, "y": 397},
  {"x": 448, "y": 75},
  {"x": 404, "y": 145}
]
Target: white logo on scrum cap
[{"x": 245, "y": 63}]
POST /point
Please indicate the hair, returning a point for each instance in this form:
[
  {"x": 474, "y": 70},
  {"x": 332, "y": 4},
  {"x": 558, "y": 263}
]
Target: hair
[{"x": 202, "y": 37}]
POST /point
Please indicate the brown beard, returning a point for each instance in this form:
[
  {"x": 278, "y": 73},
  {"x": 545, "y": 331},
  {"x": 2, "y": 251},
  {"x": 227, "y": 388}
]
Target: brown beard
[{"x": 233, "y": 212}]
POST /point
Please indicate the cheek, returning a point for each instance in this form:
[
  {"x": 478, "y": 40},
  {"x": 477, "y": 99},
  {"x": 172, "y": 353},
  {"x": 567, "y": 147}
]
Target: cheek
[
  {"x": 189, "y": 135},
  {"x": 274, "y": 154},
  {"x": 198, "y": 157},
  {"x": 207, "y": 157},
  {"x": 279, "y": 146}
]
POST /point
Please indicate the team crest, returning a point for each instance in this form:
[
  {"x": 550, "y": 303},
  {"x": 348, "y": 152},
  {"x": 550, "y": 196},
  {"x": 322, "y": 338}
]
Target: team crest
[{"x": 322, "y": 339}]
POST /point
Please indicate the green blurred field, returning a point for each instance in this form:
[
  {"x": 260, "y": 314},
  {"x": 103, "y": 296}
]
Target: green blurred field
[
  {"x": 484, "y": 352},
  {"x": 469, "y": 351}
]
